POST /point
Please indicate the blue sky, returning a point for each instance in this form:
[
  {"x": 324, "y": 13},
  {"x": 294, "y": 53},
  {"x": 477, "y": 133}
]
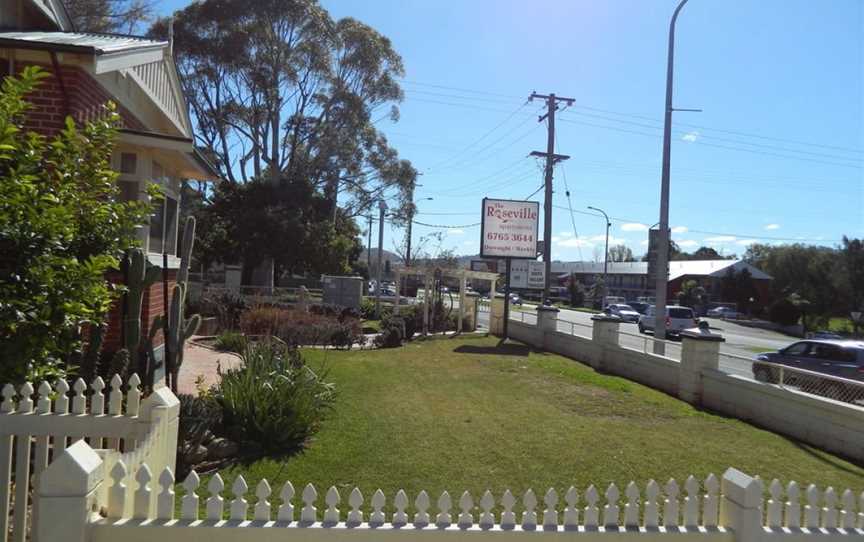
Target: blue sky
[{"x": 776, "y": 155}]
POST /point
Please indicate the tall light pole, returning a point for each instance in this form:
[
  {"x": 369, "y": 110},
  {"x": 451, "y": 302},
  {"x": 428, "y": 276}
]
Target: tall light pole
[
  {"x": 382, "y": 206},
  {"x": 411, "y": 211},
  {"x": 606, "y": 253},
  {"x": 663, "y": 238}
]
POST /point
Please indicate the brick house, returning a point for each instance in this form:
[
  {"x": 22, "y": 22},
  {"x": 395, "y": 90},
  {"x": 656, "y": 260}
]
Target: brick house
[{"x": 155, "y": 142}]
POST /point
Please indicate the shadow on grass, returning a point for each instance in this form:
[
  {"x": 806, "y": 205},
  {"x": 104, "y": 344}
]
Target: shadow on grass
[
  {"x": 507, "y": 349},
  {"x": 825, "y": 457}
]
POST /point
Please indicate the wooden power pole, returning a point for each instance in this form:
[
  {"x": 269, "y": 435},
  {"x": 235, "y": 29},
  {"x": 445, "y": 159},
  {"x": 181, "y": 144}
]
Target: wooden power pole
[{"x": 551, "y": 160}]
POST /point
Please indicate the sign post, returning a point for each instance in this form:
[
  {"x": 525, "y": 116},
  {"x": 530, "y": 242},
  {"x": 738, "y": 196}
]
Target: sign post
[{"x": 508, "y": 229}]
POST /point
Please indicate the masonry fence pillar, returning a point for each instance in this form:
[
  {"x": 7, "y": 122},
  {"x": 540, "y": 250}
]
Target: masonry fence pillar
[
  {"x": 67, "y": 495},
  {"x": 547, "y": 321},
  {"x": 496, "y": 314},
  {"x": 604, "y": 334},
  {"x": 700, "y": 350},
  {"x": 233, "y": 277},
  {"x": 741, "y": 506}
]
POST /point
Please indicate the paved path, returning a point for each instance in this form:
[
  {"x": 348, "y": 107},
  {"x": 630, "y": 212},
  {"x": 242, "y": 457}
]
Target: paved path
[{"x": 200, "y": 362}]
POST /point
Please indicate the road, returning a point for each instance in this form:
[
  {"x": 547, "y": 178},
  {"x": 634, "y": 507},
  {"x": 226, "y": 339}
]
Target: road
[{"x": 740, "y": 340}]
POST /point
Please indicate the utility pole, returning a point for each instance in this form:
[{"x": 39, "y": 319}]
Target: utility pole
[
  {"x": 662, "y": 278},
  {"x": 382, "y": 206},
  {"x": 369, "y": 248},
  {"x": 551, "y": 160}
]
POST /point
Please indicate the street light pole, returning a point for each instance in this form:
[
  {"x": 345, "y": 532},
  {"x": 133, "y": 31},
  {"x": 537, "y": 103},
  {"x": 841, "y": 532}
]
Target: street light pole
[
  {"x": 606, "y": 253},
  {"x": 662, "y": 278}
]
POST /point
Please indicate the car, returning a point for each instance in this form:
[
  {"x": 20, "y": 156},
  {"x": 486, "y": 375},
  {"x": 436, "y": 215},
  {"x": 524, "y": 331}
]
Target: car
[
  {"x": 515, "y": 299},
  {"x": 723, "y": 313},
  {"x": 840, "y": 358},
  {"x": 624, "y": 312},
  {"x": 639, "y": 306},
  {"x": 822, "y": 334},
  {"x": 677, "y": 320}
]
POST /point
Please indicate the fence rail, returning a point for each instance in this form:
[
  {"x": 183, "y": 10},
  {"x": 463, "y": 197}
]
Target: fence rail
[
  {"x": 816, "y": 383},
  {"x": 671, "y": 349}
]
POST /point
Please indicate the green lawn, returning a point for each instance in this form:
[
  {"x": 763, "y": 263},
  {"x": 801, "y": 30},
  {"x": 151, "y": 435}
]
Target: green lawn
[{"x": 463, "y": 414}]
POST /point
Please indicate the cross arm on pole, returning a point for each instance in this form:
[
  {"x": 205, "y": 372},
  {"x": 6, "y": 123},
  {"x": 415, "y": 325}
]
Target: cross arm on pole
[{"x": 555, "y": 157}]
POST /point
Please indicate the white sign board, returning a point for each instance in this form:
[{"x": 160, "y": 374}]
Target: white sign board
[
  {"x": 519, "y": 274},
  {"x": 509, "y": 229},
  {"x": 527, "y": 274},
  {"x": 536, "y": 275}
]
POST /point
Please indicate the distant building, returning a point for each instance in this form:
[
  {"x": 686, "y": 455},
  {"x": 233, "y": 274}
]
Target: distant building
[{"x": 630, "y": 279}]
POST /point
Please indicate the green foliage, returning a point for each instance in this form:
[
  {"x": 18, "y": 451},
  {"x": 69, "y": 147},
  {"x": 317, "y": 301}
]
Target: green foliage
[
  {"x": 299, "y": 328},
  {"x": 62, "y": 227},
  {"x": 140, "y": 276},
  {"x": 200, "y": 418},
  {"x": 226, "y": 307},
  {"x": 691, "y": 294},
  {"x": 119, "y": 364},
  {"x": 784, "y": 312},
  {"x": 274, "y": 398},
  {"x": 577, "y": 292},
  {"x": 230, "y": 341},
  {"x": 367, "y": 308}
]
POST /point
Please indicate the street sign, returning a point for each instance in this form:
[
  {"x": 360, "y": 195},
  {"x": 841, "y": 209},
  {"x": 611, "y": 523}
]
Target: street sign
[
  {"x": 527, "y": 274},
  {"x": 509, "y": 229}
]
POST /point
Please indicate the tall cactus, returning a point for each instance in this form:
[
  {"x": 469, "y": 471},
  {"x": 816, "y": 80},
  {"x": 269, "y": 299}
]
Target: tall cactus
[
  {"x": 141, "y": 276},
  {"x": 176, "y": 326}
]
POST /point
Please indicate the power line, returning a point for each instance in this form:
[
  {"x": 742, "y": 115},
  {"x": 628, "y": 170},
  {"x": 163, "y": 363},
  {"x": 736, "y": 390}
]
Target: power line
[{"x": 446, "y": 227}]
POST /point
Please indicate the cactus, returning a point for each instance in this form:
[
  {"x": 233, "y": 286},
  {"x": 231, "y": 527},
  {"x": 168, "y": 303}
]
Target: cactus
[{"x": 141, "y": 276}]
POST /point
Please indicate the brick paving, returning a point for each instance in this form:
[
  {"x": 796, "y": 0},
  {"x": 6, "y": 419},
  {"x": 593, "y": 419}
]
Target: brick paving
[{"x": 200, "y": 361}]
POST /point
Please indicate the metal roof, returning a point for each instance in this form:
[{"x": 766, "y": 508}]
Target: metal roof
[{"x": 75, "y": 42}]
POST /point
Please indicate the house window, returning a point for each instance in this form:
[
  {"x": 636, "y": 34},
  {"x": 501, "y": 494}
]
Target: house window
[
  {"x": 163, "y": 221},
  {"x": 128, "y": 162}
]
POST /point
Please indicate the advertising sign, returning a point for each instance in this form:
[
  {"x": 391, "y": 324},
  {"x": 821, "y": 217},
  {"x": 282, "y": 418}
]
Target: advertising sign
[
  {"x": 527, "y": 274},
  {"x": 509, "y": 229},
  {"x": 487, "y": 266},
  {"x": 536, "y": 275}
]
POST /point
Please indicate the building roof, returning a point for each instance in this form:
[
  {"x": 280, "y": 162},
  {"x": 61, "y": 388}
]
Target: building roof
[
  {"x": 677, "y": 269},
  {"x": 79, "y": 42}
]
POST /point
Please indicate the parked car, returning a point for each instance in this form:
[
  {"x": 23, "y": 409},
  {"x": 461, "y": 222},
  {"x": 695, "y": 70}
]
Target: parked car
[
  {"x": 723, "y": 312},
  {"x": 639, "y": 306},
  {"x": 515, "y": 299},
  {"x": 842, "y": 358},
  {"x": 624, "y": 312},
  {"x": 677, "y": 320},
  {"x": 822, "y": 334}
]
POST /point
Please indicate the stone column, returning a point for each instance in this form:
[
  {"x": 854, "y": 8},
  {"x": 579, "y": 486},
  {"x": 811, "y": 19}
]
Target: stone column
[
  {"x": 605, "y": 329},
  {"x": 547, "y": 318},
  {"x": 471, "y": 310},
  {"x": 700, "y": 350},
  {"x": 496, "y": 315}
]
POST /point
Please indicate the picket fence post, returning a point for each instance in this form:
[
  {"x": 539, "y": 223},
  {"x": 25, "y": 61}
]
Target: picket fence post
[
  {"x": 67, "y": 495},
  {"x": 741, "y": 506}
]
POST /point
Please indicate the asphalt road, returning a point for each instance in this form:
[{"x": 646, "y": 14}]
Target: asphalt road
[{"x": 740, "y": 340}]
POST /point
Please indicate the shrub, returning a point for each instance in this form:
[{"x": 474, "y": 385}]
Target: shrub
[
  {"x": 300, "y": 328},
  {"x": 226, "y": 307},
  {"x": 62, "y": 228},
  {"x": 784, "y": 312},
  {"x": 367, "y": 309},
  {"x": 230, "y": 341},
  {"x": 273, "y": 398},
  {"x": 199, "y": 419},
  {"x": 334, "y": 311},
  {"x": 392, "y": 332}
]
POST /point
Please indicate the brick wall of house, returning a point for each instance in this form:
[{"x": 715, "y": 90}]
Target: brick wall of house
[
  {"x": 151, "y": 307},
  {"x": 83, "y": 100}
]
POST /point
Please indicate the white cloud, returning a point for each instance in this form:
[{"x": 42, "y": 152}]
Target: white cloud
[
  {"x": 574, "y": 242},
  {"x": 691, "y": 137},
  {"x": 633, "y": 226},
  {"x": 721, "y": 239},
  {"x": 687, "y": 243},
  {"x": 680, "y": 229},
  {"x": 566, "y": 234},
  {"x": 555, "y": 239},
  {"x": 746, "y": 242},
  {"x": 772, "y": 227},
  {"x": 467, "y": 242},
  {"x": 455, "y": 232},
  {"x": 644, "y": 242}
]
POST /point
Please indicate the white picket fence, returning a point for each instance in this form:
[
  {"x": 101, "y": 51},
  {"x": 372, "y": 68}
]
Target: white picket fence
[{"x": 34, "y": 433}]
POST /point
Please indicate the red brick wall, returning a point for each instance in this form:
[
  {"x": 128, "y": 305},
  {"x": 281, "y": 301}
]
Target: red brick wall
[
  {"x": 151, "y": 306},
  {"x": 85, "y": 100}
]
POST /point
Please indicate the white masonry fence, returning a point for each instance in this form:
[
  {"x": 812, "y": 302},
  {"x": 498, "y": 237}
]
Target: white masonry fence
[{"x": 35, "y": 432}]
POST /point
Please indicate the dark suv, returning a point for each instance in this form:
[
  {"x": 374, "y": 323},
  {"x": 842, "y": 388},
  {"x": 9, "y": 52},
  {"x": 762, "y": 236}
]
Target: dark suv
[{"x": 841, "y": 358}]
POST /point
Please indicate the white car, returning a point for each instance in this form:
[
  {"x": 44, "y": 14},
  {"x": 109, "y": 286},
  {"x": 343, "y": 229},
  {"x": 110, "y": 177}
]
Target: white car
[
  {"x": 677, "y": 320},
  {"x": 723, "y": 313},
  {"x": 624, "y": 312}
]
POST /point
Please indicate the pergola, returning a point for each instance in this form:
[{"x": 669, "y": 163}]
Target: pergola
[{"x": 428, "y": 275}]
